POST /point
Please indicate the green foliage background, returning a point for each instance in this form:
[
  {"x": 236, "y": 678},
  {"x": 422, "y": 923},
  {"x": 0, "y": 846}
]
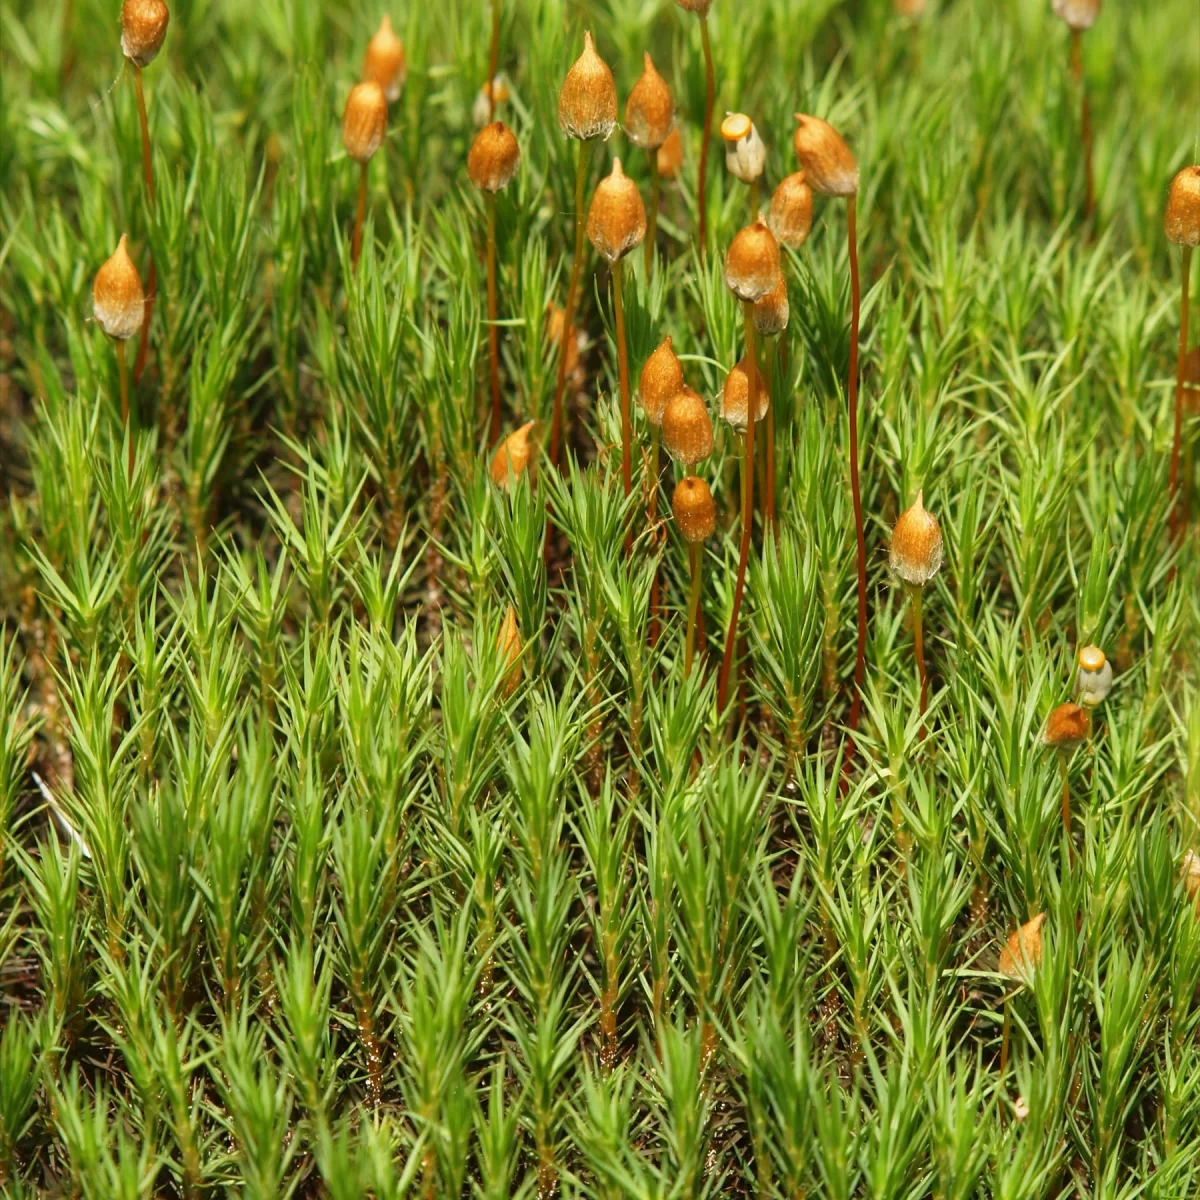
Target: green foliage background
[{"x": 306, "y": 904}]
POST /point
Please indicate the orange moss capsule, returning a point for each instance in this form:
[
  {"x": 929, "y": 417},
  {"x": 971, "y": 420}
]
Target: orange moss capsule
[
  {"x": 513, "y": 455},
  {"x": 1067, "y": 727},
  {"x": 1190, "y": 872},
  {"x": 493, "y": 158},
  {"x": 117, "y": 297},
  {"x": 143, "y": 28},
  {"x": 752, "y": 262},
  {"x": 661, "y": 378},
  {"x": 1181, "y": 221},
  {"x": 1022, "y": 953},
  {"x": 616, "y": 220},
  {"x": 649, "y": 110},
  {"x": 693, "y": 508},
  {"x": 772, "y": 311},
  {"x": 829, "y": 165},
  {"x": 364, "y": 121},
  {"x": 385, "y": 61},
  {"x": 508, "y": 647},
  {"x": 587, "y": 103},
  {"x": 916, "y": 550},
  {"x": 670, "y": 155},
  {"x": 792, "y": 211},
  {"x": 554, "y": 332},
  {"x": 735, "y": 397},
  {"x": 1078, "y": 14},
  {"x": 687, "y": 429},
  {"x": 482, "y": 108}
]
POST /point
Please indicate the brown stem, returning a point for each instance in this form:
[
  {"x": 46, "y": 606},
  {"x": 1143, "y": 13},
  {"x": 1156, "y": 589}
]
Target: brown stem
[
  {"x": 747, "y": 513},
  {"x": 147, "y": 165},
  {"x": 66, "y": 64},
  {"x": 493, "y": 332},
  {"x": 1085, "y": 121},
  {"x": 1180, "y": 369},
  {"x": 709, "y": 99},
  {"x": 696, "y": 560},
  {"x": 623, "y": 376},
  {"x": 493, "y": 63},
  {"x": 860, "y": 656},
  {"x": 774, "y": 384},
  {"x": 1066, "y": 804},
  {"x": 651, "y": 518},
  {"x": 1004, "y": 1038},
  {"x": 124, "y": 375},
  {"x": 652, "y": 215},
  {"x": 919, "y": 645},
  {"x": 556, "y": 423},
  {"x": 148, "y": 178},
  {"x": 359, "y": 216}
]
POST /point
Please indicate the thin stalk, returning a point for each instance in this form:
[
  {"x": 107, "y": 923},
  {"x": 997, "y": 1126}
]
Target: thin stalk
[
  {"x": 919, "y": 645},
  {"x": 747, "y": 513},
  {"x": 66, "y": 65},
  {"x": 1004, "y": 1037},
  {"x": 860, "y": 656},
  {"x": 710, "y": 89},
  {"x": 1085, "y": 121},
  {"x": 493, "y": 63},
  {"x": 696, "y": 560},
  {"x": 556, "y": 423},
  {"x": 623, "y": 377},
  {"x": 493, "y": 332},
  {"x": 652, "y": 216},
  {"x": 651, "y": 517},
  {"x": 774, "y": 376},
  {"x": 359, "y": 216},
  {"x": 124, "y": 374},
  {"x": 1064, "y": 762},
  {"x": 753, "y": 200},
  {"x": 1180, "y": 370},
  {"x": 148, "y": 178}
]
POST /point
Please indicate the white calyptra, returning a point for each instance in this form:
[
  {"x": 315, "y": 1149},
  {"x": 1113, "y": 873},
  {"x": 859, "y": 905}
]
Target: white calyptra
[
  {"x": 1093, "y": 680},
  {"x": 745, "y": 154}
]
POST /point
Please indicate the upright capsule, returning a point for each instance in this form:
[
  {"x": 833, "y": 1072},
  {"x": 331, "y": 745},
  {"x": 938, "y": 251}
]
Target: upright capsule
[
  {"x": 513, "y": 455},
  {"x": 616, "y": 220},
  {"x": 385, "y": 62},
  {"x": 735, "y": 396},
  {"x": 1181, "y": 221},
  {"x": 1078, "y": 14},
  {"x": 661, "y": 378},
  {"x": 791, "y": 212},
  {"x": 693, "y": 509},
  {"x": 649, "y": 109},
  {"x": 364, "y": 121},
  {"x": 587, "y": 103},
  {"x": 669, "y": 158},
  {"x": 829, "y": 165},
  {"x": 143, "y": 28},
  {"x": 752, "y": 262},
  {"x": 493, "y": 158},
  {"x": 687, "y": 430},
  {"x": 771, "y": 312},
  {"x": 1022, "y": 953},
  {"x": 915, "y": 554},
  {"x": 117, "y": 296}
]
